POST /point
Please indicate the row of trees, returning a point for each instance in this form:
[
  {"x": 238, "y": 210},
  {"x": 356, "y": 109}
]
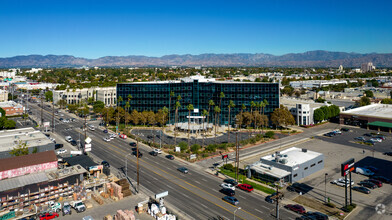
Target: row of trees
[{"x": 325, "y": 113}]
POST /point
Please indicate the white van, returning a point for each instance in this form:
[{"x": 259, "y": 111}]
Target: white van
[
  {"x": 68, "y": 138},
  {"x": 364, "y": 171}
]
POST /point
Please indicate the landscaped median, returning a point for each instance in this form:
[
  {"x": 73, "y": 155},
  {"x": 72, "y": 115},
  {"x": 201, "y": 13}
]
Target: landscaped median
[{"x": 243, "y": 179}]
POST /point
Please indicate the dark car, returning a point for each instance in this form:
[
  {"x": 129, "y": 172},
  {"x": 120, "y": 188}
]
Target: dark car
[
  {"x": 318, "y": 215},
  {"x": 170, "y": 157},
  {"x": 227, "y": 191},
  {"x": 345, "y": 129},
  {"x": 388, "y": 153},
  {"x": 105, "y": 164},
  {"x": 367, "y": 184},
  {"x": 382, "y": 179},
  {"x": 183, "y": 170},
  {"x": 231, "y": 181},
  {"x": 61, "y": 119},
  {"x": 361, "y": 189},
  {"x": 377, "y": 182},
  {"x": 330, "y": 134},
  {"x": 271, "y": 198},
  {"x": 73, "y": 142},
  {"x": 231, "y": 200},
  {"x": 296, "y": 208},
  {"x": 135, "y": 154},
  {"x": 105, "y": 131},
  {"x": 371, "y": 168},
  {"x": 367, "y": 135},
  {"x": 58, "y": 146},
  {"x": 132, "y": 144},
  {"x": 296, "y": 187},
  {"x": 369, "y": 142},
  {"x": 153, "y": 153},
  {"x": 134, "y": 148}
]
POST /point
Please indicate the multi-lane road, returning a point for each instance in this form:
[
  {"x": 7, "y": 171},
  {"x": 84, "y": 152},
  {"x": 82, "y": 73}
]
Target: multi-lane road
[{"x": 196, "y": 193}]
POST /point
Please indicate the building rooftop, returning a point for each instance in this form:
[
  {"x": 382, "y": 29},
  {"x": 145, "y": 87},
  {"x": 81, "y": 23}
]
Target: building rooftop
[
  {"x": 27, "y": 160},
  {"x": 10, "y": 104},
  {"x": 30, "y": 136},
  {"x": 269, "y": 170},
  {"x": 294, "y": 156},
  {"x": 374, "y": 110}
]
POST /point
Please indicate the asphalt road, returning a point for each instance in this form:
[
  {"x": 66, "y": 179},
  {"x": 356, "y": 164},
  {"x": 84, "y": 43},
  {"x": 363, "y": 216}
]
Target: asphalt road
[{"x": 196, "y": 194}]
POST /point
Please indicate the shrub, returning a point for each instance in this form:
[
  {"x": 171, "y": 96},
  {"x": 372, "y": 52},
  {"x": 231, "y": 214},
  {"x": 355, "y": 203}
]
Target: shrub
[
  {"x": 228, "y": 167},
  {"x": 269, "y": 134},
  {"x": 205, "y": 155},
  {"x": 211, "y": 147},
  {"x": 330, "y": 204},
  {"x": 195, "y": 148},
  {"x": 183, "y": 146},
  {"x": 349, "y": 208}
]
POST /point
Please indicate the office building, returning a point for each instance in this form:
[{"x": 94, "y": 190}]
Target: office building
[
  {"x": 75, "y": 96},
  {"x": 367, "y": 67},
  {"x": 198, "y": 91}
]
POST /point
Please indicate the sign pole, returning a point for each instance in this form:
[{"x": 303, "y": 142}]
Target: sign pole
[
  {"x": 345, "y": 190},
  {"x": 351, "y": 195}
]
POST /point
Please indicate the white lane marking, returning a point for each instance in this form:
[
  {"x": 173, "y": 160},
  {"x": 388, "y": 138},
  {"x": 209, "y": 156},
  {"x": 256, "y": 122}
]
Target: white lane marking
[
  {"x": 197, "y": 182},
  {"x": 154, "y": 178},
  {"x": 204, "y": 180},
  {"x": 204, "y": 205},
  {"x": 185, "y": 196},
  {"x": 242, "y": 197},
  {"x": 147, "y": 181},
  {"x": 258, "y": 211},
  {"x": 170, "y": 187}
]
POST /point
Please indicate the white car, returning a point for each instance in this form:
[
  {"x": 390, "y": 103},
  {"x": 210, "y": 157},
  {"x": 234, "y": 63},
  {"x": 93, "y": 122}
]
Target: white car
[
  {"x": 159, "y": 151},
  {"x": 68, "y": 138},
  {"x": 227, "y": 186},
  {"x": 341, "y": 182},
  {"x": 112, "y": 136},
  {"x": 376, "y": 140},
  {"x": 364, "y": 171},
  {"x": 66, "y": 121},
  {"x": 91, "y": 127},
  {"x": 107, "y": 139},
  {"x": 52, "y": 139},
  {"x": 61, "y": 151}
]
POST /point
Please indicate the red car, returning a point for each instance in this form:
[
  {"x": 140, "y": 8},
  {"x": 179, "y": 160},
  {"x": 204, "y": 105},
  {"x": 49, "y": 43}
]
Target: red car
[
  {"x": 51, "y": 215},
  {"x": 123, "y": 136},
  {"x": 245, "y": 187},
  {"x": 377, "y": 182},
  {"x": 296, "y": 208}
]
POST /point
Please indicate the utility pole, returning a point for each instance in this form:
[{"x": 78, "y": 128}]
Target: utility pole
[
  {"x": 52, "y": 111},
  {"x": 277, "y": 202},
  {"x": 42, "y": 109},
  {"x": 237, "y": 156},
  {"x": 137, "y": 163},
  {"x": 325, "y": 191}
]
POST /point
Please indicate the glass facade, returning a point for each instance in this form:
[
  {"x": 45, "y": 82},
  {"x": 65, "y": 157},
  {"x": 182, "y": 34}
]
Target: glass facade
[{"x": 155, "y": 95}]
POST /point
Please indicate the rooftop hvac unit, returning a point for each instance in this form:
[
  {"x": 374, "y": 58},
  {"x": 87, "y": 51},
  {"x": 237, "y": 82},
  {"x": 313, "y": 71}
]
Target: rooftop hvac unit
[
  {"x": 283, "y": 161},
  {"x": 304, "y": 150},
  {"x": 285, "y": 155}
]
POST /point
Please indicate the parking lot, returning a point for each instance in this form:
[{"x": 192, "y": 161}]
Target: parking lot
[{"x": 340, "y": 148}]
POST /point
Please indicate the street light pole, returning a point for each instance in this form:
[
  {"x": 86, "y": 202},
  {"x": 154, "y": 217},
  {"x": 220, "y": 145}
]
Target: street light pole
[
  {"x": 236, "y": 211},
  {"x": 325, "y": 190}
]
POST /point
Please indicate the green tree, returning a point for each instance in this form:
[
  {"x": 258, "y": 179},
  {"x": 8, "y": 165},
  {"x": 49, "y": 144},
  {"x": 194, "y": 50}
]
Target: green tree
[
  {"x": 195, "y": 148},
  {"x": 98, "y": 106},
  {"x": 231, "y": 105},
  {"x": 217, "y": 110},
  {"x": 62, "y": 103},
  {"x": 364, "y": 101},
  {"x": 178, "y": 105},
  {"x": 282, "y": 117},
  {"x": 369, "y": 93},
  {"x": 135, "y": 117},
  {"x": 210, "y": 103},
  {"x": 190, "y": 108},
  {"x": 144, "y": 117},
  {"x": 2, "y": 112},
  {"x": 119, "y": 101},
  {"x": 72, "y": 108},
  {"x": 386, "y": 101},
  {"x": 170, "y": 96},
  {"x": 108, "y": 114},
  {"x": 49, "y": 96},
  {"x": 204, "y": 113},
  {"x": 9, "y": 124},
  {"x": 390, "y": 94},
  {"x": 318, "y": 115},
  {"x": 327, "y": 112},
  {"x": 221, "y": 96},
  {"x": 20, "y": 150}
]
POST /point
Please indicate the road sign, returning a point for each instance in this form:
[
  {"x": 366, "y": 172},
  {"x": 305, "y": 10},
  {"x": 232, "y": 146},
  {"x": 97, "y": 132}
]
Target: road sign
[
  {"x": 192, "y": 156},
  {"x": 347, "y": 167},
  {"x": 46, "y": 124},
  {"x": 178, "y": 149},
  {"x": 88, "y": 140},
  {"x": 77, "y": 152},
  {"x": 87, "y": 147}
]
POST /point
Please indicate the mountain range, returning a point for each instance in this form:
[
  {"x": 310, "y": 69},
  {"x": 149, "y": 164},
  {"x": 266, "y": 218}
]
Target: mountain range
[{"x": 316, "y": 58}]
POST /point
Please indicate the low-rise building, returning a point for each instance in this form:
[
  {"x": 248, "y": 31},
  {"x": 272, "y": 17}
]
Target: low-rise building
[
  {"x": 290, "y": 165},
  {"x": 12, "y": 108},
  {"x": 35, "y": 85},
  {"x": 35, "y": 141},
  {"x": 75, "y": 96},
  {"x": 3, "y": 95},
  {"x": 315, "y": 83}
]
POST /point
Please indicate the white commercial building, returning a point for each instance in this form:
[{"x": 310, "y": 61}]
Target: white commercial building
[
  {"x": 34, "y": 86},
  {"x": 3, "y": 95},
  {"x": 315, "y": 83},
  {"x": 75, "y": 96}
]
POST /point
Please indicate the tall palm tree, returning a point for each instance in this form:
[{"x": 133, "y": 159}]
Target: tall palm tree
[
  {"x": 217, "y": 110},
  {"x": 178, "y": 105},
  {"x": 231, "y": 105},
  {"x": 190, "y": 108},
  {"x": 210, "y": 103},
  {"x": 170, "y": 96},
  {"x": 204, "y": 113},
  {"x": 243, "y": 107},
  {"x": 129, "y": 97},
  {"x": 119, "y": 100},
  {"x": 127, "y": 105},
  {"x": 252, "y": 105},
  {"x": 256, "y": 111},
  {"x": 262, "y": 105},
  {"x": 265, "y": 103},
  {"x": 221, "y": 96}
]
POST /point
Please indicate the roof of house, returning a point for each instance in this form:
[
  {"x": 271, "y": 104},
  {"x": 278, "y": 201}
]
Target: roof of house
[
  {"x": 27, "y": 160},
  {"x": 82, "y": 160}
]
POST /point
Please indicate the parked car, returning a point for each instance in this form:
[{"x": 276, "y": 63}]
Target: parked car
[
  {"x": 371, "y": 168},
  {"x": 230, "y": 199},
  {"x": 376, "y": 140},
  {"x": 382, "y": 179},
  {"x": 364, "y": 171},
  {"x": 105, "y": 164},
  {"x": 105, "y": 131},
  {"x": 54, "y": 206},
  {"x": 270, "y": 199},
  {"x": 330, "y": 134},
  {"x": 367, "y": 135},
  {"x": 67, "y": 209},
  {"x": 112, "y": 136},
  {"x": 378, "y": 183},
  {"x": 170, "y": 157},
  {"x": 49, "y": 215},
  {"x": 296, "y": 208},
  {"x": 78, "y": 206},
  {"x": 107, "y": 139},
  {"x": 227, "y": 185},
  {"x": 153, "y": 153},
  {"x": 183, "y": 170},
  {"x": 370, "y": 142},
  {"x": 361, "y": 189},
  {"x": 58, "y": 146},
  {"x": 337, "y": 132},
  {"x": 360, "y": 139},
  {"x": 123, "y": 136},
  {"x": 345, "y": 129},
  {"x": 61, "y": 151},
  {"x": 68, "y": 138},
  {"x": 231, "y": 181},
  {"x": 245, "y": 187},
  {"x": 318, "y": 215},
  {"x": 74, "y": 143},
  {"x": 341, "y": 182},
  {"x": 388, "y": 153},
  {"x": 132, "y": 144},
  {"x": 91, "y": 127},
  {"x": 367, "y": 184},
  {"x": 227, "y": 191},
  {"x": 382, "y": 137},
  {"x": 159, "y": 151}
]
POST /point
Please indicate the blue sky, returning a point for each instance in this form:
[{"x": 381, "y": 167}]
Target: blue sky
[{"x": 94, "y": 28}]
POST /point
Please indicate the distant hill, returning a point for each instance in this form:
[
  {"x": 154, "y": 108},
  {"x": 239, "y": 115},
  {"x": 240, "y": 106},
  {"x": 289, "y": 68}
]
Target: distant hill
[{"x": 317, "y": 58}]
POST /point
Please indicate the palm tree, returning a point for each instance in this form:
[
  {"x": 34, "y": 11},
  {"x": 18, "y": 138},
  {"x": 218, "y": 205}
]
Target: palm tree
[
  {"x": 190, "y": 108},
  {"x": 243, "y": 107},
  {"x": 178, "y": 105},
  {"x": 265, "y": 103},
  {"x": 258, "y": 106},
  {"x": 252, "y": 105},
  {"x": 127, "y": 105},
  {"x": 119, "y": 100},
  {"x": 204, "y": 113},
  {"x": 231, "y": 105},
  {"x": 210, "y": 103},
  {"x": 217, "y": 110},
  {"x": 221, "y": 96},
  {"x": 170, "y": 96}
]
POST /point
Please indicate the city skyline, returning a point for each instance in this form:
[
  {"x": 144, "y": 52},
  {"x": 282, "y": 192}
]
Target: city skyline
[{"x": 94, "y": 29}]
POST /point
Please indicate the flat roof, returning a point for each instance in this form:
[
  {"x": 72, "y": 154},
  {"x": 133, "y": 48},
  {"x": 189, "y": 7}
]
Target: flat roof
[
  {"x": 269, "y": 170},
  {"x": 373, "y": 110},
  {"x": 294, "y": 156},
  {"x": 381, "y": 124},
  {"x": 11, "y": 138}
]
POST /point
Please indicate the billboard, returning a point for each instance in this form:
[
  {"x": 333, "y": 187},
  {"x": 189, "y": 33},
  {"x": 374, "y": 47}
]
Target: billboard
[{"x": 347, "y": 166}]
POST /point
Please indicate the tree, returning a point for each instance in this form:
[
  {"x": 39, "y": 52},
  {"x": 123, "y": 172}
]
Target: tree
[
  {"x": 49, "y": 96},
  {"x": 288, "y": 90},
  {"x": 386, "y": 101},
  {"x": 170, "y": 96},
  {"x": 364, "y": 101},
  {"x": 217, "y": 110},
  {"x": 9, "y": 124},
  {"x": 151, "y": 118},
  {"x": 390, "y": 94},
  {"x": 282, "y": 116},
  {"x": 178, "y": 105},
  {"x": 369, "y": 94},
  {"x": 231, "y": 105},
  {"x": 190, "y": 108},
  {"x": 318, "y": 115},
  {"x": 221, "y": 96},
  {"x": 61, "y": 103},
  {"x": 335, "y": 111},
  {"x": 3, "y": 119},
  {"x": 2, "y": 112},
  {"x": 204, "y": 113},
  {"x": 119, "y": 100},
  {"x": 107, "y": 114},
  {"x": 20, "y": 150},
  {"x": 144, "y": 117},
  {"x": 135, "y": 117},
  {"x": 327, "y": 112},
  {"x": 98, "y": 106},
  {"x": 127, "y": 106},
  {"x": 210, "y": 103},
  {"x": 72, "y": 108}
]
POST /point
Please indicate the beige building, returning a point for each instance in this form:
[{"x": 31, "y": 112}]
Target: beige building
[
  {"x": 106, "y": 94},
  {"x": 3, "y": 95}
]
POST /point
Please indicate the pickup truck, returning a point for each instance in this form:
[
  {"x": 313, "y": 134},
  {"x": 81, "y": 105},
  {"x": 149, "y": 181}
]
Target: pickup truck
[
  {"x": 78, "y": 206},
  {"x": 54, "y": 206},
  {"x": 67, "y": 209}
]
